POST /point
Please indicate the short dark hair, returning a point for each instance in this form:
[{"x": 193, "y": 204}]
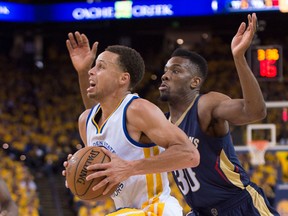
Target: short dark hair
[
  {"x": 195, "y": 58},
  {"x": 131, "y": 61}
]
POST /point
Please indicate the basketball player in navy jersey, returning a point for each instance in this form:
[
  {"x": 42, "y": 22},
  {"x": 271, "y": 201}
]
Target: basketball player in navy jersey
[
  {"x": 219, "y": 185},
  {"x": 7, "y": 206},
  {"x": 122, "y": 123}
]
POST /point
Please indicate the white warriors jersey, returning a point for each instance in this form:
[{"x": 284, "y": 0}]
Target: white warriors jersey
[{"x": 137, "y": 191}]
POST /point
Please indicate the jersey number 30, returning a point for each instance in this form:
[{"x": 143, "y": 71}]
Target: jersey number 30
[{"x": 187, "y": 180}]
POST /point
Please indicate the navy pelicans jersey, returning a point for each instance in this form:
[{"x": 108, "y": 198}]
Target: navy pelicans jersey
[
  {"x": 219, "y": 176},
  {"x": 141, "y": 191}
]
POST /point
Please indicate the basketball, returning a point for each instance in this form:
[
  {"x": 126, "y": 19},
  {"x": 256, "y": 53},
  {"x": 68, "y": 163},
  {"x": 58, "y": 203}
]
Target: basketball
[{"x": 76, "y": 173}]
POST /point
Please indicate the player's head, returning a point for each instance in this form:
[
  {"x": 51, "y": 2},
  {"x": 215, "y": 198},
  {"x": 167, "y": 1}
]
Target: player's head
[
  {"x": 184, "y": 72},
  {"x": 130, "y": 61},
  {"x": 199, "y": 65}
]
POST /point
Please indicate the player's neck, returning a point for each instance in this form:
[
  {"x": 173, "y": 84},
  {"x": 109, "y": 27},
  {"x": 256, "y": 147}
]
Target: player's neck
[
  {"x": 110, "y": 104},
  {"x": 178, "y": 110}
]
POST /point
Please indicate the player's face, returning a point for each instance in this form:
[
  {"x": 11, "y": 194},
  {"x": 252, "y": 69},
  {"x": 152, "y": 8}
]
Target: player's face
[
  {"x": 104, "y": 76},
  {"x": 176, "y": 80}
]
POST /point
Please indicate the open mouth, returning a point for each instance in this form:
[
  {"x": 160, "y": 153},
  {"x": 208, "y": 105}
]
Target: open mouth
[
  {"x": 91, "y": 86},
  {"x": 163, "y": 86}
]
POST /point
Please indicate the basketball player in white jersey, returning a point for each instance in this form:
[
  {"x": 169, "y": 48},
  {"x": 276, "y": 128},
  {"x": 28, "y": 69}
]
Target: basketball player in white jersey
[{"x": 122, "y": 123}]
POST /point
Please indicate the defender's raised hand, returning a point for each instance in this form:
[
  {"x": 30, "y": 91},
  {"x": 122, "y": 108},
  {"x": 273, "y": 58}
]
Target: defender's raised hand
[
  {"x": 82, "y": 56},
  {"x": 244, "y": 36}
]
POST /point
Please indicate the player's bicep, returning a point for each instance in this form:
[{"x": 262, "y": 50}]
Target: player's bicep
[
  {"x": 231, "y": 110},
  {"x": 151, "y": 121},
  {"x": 165, "y": 134}
]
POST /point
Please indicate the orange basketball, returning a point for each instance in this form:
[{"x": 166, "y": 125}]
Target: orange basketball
[{"x": 76, "y": 173}]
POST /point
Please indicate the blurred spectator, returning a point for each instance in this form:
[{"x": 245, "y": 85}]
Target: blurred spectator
[{"x": 7, "y": 205}]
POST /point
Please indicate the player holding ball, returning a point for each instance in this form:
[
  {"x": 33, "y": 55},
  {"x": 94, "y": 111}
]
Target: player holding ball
[
  {"x": 76, "y": 173},
  {"x": 133, "y": 132}
]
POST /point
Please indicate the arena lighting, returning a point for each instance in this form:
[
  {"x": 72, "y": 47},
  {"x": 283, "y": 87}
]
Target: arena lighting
[
  {"x": 23, "y": 157},
  {"x": 180, "y": 41},
  {"x": 4, "y": 10},
  {"x": 123, "y": 10},
  {"x": 83, "y": 11},
  {"x": 283, "y": 6},
  {"x": 17, "y": 12},
  {"x": 5, "y": 146},
  {"x": 252, "y": 5}
]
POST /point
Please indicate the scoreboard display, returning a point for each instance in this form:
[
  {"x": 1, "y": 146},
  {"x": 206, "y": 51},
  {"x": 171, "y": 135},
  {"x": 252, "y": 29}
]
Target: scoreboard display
[{"x": 266, "y": 62}]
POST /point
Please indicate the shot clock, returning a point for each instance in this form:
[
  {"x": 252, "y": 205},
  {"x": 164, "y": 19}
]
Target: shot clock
[{"x": 266, "y": 62}]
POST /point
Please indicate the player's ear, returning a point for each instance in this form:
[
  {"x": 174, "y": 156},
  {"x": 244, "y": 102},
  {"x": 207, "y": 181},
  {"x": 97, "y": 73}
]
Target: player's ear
[
  {"x": 195, "y": 82},
  {"x": 125, "y": 78}
]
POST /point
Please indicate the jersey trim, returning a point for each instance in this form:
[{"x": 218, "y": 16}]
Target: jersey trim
[
  {"x": 101, "y": 127},
  {"x": 125, "y": 128},
  {"x": 88, "y": 117},
  {"x": 94, "y": 122},
  {"x": 178, "y": 122},
  {"x": 229, "y": 169}
]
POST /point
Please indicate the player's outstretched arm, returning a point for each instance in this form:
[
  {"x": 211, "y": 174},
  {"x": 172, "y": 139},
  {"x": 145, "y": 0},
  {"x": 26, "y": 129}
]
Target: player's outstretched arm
[
  {"x": 252, "y": 107},
  {"x": 82, "y": 57},
  {"x": 7, "y": 205}
]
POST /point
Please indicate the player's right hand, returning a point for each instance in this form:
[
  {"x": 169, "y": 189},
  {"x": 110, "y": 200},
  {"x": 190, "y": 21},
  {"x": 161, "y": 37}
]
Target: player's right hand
[{"x": 65, "y": 164}]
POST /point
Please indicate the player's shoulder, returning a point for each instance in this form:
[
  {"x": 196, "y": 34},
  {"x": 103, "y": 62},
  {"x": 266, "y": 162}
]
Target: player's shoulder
[
  {"x": 142, "y": 104},
  {"x": 210, "y": 101},
  {"x": 215, "y": 94},
  {"x": 84, "y": 115},
  {"x": 143, "y": 108},
  {"x": 213, "y": 97}
]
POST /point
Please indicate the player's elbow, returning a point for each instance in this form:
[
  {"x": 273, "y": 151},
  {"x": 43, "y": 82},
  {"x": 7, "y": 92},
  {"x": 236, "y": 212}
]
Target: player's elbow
[
  {"x": 261, "y": 113},
  {"x": 254, "y": 113}
]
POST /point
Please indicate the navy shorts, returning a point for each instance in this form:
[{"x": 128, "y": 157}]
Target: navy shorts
[{"x": 250, "y": 202}]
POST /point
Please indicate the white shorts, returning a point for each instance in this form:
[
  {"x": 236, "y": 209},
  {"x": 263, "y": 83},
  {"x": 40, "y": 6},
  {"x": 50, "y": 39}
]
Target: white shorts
[{"x": 170, "y": 207}]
